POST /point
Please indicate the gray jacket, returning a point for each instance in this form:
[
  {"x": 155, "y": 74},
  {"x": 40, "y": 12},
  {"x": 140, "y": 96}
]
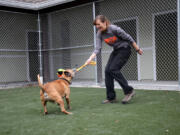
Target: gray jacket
[{"x": 114, "y": 36}]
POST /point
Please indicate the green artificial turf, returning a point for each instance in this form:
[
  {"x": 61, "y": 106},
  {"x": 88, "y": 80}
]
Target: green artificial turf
[{"x": 149, "y": 113}]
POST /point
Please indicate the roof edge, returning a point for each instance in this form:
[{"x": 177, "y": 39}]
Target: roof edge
[{"x": 32, "y": 6}]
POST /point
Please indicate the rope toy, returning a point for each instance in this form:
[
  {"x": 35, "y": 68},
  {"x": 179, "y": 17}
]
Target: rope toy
[{"x": 91, "y": 63}]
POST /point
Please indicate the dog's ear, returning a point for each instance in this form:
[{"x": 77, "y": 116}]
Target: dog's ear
[{"x": 67, "y": 74}]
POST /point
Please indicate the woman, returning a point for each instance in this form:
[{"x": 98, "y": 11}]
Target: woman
[{"x": 121, "y": 42}]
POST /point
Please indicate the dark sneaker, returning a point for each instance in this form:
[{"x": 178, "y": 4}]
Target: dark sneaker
[
  {"x": 109, "y": 101},
  {"x": 128, "y": 97}
]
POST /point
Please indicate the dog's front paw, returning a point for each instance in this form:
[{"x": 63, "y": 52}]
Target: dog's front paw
[{"x": 70, "y": 113}]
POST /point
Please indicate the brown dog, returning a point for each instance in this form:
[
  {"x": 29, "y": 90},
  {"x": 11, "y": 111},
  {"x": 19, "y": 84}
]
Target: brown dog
[{"x": 57, "y": 90}]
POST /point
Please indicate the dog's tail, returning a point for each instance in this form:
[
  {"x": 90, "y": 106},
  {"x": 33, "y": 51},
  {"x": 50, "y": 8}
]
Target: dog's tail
[{"x": 39, "y": 82}]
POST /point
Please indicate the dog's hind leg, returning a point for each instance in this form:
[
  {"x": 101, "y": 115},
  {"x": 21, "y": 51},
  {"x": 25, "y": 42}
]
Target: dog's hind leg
[
  {"x": 68, "y": 102},
  {"x": 43, "y": 102},
  {"x": 67, "y": 98},
  {"x": 60, "y": 101},
  {"x": 45, "y": 108}
]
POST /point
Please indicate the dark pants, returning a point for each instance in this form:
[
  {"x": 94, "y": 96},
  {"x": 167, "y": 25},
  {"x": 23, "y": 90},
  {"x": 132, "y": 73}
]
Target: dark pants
[{"x": 117, "y": 60}]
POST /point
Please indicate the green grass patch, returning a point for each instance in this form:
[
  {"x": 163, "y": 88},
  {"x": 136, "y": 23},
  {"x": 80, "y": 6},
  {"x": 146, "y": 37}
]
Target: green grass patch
[{"x": 149, "y": 113}]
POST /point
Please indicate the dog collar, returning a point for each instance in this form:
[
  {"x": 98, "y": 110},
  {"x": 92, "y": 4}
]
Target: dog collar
[{"x": 65, "y": 80}]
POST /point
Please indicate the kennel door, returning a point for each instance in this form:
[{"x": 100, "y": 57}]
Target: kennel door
[{"x": 33, "y": 55}]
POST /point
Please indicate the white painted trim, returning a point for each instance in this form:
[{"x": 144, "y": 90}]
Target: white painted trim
[
  {"x": 80, "y": 54},
  {"x": 78, "y": 6},
  {"x": 74, "y": 54},
  {"x": 54, "y": 49},
  {"x": 33, "y": 6},
  {"x": 64, "y": 10},
  {"x": 154, "y": 49},
  {"x": 39, "y": 5},
  {"x": 94, "y": 35},
  {"x": 40, "y": 46},
  {"x": 13, "y": 50},
  {"x": 178, "y": 38},
  {"x": 125, "y": 19},
  {"x": 66, "y": 48},
  {"x": 27, "y": 56},
  {"x": 138, "y": 56},
  {"x": 164, "y": 12},
  {"x": 147, "y": 48},
  {"x": 13, "y": 56}
]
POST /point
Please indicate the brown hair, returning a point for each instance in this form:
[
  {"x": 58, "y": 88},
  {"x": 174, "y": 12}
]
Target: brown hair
[{"x": 103, "y": 19}]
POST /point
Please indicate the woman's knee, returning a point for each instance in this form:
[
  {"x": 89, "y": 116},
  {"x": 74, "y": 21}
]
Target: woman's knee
[{"x": 111, "y": 70}]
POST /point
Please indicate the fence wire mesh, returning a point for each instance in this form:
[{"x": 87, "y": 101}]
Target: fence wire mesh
[
  {"x": 16, "y": 48},
  {"x": 70, "y": 40},
  {"x": 137, "y": 19},
  {"x": 67, "y": 39}
]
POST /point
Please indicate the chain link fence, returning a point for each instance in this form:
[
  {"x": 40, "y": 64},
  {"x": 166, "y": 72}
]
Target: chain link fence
[
  {"x": 18, "y": 46},
  {"x": 70, "y": 40},
  {"x": 137, "y": 18},
  {"x": 67, "y": 39}
]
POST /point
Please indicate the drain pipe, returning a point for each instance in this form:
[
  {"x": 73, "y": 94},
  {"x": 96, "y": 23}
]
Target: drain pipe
[
  {"x": 94, "y": 29},
  {"x": 178, "y": 38},
  {"x": 40, "y": 49}
]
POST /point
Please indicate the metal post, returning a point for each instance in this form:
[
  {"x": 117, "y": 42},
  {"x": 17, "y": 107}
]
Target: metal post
[
  {"x": 94, "y": 16},
  {"x": 40, "y": 48},
  {"x": 178, "y": 38}
]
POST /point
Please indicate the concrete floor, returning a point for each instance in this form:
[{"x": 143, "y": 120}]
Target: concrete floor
[{"x": 144, "y": 85}]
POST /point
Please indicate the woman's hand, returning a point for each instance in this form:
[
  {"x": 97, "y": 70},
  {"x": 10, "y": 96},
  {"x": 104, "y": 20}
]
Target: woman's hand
[
  {"x": 136, "y": 47},
  {"x": 88, "y": 61},
  {"x": 93, "y": 55},
  {"x": 139, "y": 51}
]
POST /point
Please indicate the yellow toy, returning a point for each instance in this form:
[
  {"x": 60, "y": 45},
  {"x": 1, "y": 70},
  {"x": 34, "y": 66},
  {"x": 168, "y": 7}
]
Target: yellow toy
[{"x": 91, "y": 63}]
